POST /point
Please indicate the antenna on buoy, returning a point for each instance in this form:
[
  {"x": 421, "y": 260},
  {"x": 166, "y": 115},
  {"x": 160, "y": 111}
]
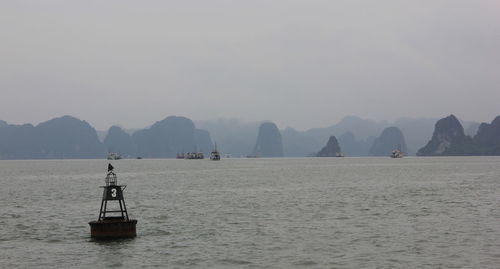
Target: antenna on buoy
[{"x": 113, "y": 222}]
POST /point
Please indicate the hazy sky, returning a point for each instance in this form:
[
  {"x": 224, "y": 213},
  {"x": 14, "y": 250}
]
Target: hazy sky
[{"x": 298, "y": 63}]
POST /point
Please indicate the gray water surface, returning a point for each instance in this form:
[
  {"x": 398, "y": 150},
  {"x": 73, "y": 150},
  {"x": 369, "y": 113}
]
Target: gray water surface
[{"x": 257, "y": 213}]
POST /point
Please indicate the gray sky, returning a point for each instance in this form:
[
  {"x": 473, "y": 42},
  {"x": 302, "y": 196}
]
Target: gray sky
[{"x": 298, "y": 63}]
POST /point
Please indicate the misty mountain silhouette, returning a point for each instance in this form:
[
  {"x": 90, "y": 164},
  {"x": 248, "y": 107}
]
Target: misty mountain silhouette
[
  {"x": 170, "y": 136},
  {"x": 449, "y": 139},
  {"x": 331, "y": 149},
  {"x": 59, "y": 138},
  {"x": 391, "y": 138},
  {"x": 118, "y": 141},
  {"x": 487, "y": 139},
  {"x": 69, "y": 137},
  {"x": 269, "y": 142}
]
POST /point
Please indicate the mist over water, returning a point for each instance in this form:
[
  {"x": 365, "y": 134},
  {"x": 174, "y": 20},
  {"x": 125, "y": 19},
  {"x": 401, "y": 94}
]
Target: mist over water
[{"x": 257, "y": 213}]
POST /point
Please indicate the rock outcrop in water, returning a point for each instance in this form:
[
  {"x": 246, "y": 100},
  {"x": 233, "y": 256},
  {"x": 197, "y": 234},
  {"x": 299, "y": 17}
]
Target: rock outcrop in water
[
  {"x": 391, "y": 138},
  {"x": 487, "y": 139},
  {"x": 448, "y": 139},
  {"x": 269, "y": 142},
  {"x": 332, "y": 148}
]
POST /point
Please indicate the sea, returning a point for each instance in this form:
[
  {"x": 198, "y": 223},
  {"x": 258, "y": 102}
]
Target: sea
[{"x": 414, "y": 212}]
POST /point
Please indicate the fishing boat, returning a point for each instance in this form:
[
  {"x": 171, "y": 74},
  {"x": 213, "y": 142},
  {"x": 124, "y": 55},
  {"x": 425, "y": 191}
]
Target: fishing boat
[
  {"x": 194, "y": 156},
  {"x": 397, "y": 153},
  {"x": 215, "y": 155},
  {"x": 113, "y": 156}
]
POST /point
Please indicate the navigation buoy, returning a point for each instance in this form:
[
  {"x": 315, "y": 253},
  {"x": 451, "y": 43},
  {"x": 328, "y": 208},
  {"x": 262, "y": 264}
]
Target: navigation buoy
[{"x": 113, "y": 222}]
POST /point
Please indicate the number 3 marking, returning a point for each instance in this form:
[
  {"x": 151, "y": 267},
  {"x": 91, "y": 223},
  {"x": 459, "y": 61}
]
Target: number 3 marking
[{"x": 113, "y": 192}]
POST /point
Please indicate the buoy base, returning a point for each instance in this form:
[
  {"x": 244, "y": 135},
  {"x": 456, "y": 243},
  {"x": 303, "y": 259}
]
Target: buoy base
[{"x": 113, "y": 228}]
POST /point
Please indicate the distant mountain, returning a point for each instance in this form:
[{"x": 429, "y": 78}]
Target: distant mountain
[
  {"x": 68, "y": 137},
  {"x": 203, "y": 141},
  {"x": 353, "y": 147},
  {"x": 448, "y": 139},
  {"x": 170, "y": 136},
  {"x": 417, "y": 132},
  {"x": 356, "y": 135},
  {"x": 361, "y": 128},
  {"x": 391, "y": 138},
  {"x": 232, "y": 136},
  {"x": 19, "y": 142},
  {"x": 331, "y": 149},
  {"x": 471, "y": 128},
  {"x": 59, "y": 138},
  {"x": 118, "y": 141},
  {"x": 487, "y": 139},
  {"x": 101, "y": 135},
  {"x": 298, "y": 144},
  {"x": 269, "y": 142}
]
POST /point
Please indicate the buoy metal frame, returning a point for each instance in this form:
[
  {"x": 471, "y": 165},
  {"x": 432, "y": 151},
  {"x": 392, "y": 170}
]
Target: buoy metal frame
[{"x": 110, "y": 225}]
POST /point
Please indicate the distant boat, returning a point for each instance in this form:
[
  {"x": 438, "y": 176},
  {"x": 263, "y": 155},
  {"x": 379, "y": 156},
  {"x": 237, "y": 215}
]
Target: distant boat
[
  {"x": 114, "y": 156},
  {"x": 215, "y": 155},
  {"x": 180, "y": 156},
  {"x": 194, "y": 156},
  {"x": 339, "y": 154},
  {"x": 397, "y": 153}
]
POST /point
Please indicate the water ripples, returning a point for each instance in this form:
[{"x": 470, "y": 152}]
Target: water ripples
[{"x": 257, "y": 213}]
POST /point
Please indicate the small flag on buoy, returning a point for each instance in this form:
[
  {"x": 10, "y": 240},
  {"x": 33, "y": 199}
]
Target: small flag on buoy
[{"x": 110, "y": 167}]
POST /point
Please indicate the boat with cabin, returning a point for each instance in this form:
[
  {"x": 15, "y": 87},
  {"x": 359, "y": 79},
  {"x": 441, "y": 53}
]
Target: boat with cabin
[
  {"x": 194, "y": 156},
  {"x": 215, "y": 155},
  {"x": 113, "y": 156},
  {"x": 397, "y": 153}
]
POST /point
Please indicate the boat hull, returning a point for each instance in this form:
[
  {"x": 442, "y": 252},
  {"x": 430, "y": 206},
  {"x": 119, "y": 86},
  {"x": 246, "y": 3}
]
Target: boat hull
[{"x": 112, "y": 229}]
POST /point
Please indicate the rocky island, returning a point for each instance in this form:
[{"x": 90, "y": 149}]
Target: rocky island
[
  {"x": 269, "y": 142},
  {"x": 391, "y": 138},
  {"x": 448, "y": 139},
  {"x": 332, "y": 148}
]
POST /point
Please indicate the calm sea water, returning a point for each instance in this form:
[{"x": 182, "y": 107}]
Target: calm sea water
[{"x": 257, "y": 213}]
